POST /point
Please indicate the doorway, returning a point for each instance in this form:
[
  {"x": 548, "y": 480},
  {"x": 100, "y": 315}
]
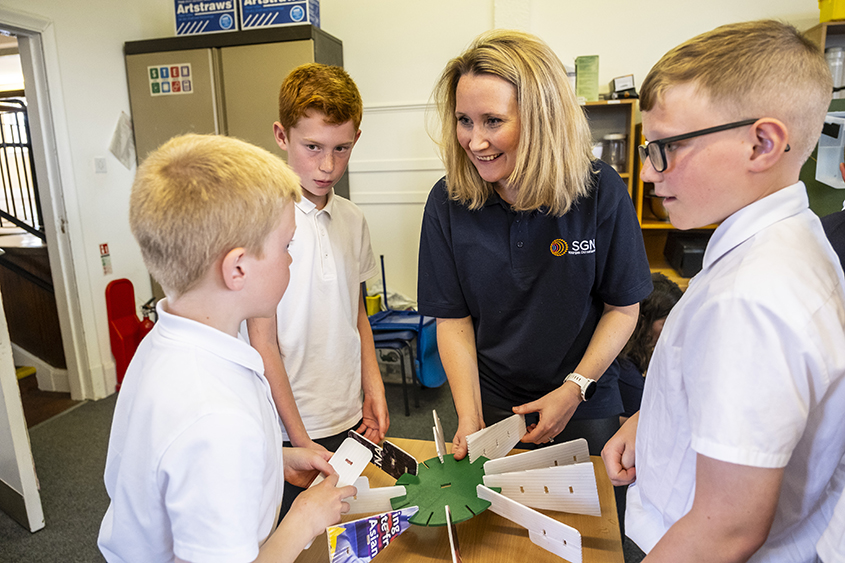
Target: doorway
[
  {"x": 26, "y": 281},
  {"x": 36, "y": 46}
]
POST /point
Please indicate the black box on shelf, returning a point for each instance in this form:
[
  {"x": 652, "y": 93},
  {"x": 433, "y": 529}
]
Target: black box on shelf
[{"x": 685, "y": 251}]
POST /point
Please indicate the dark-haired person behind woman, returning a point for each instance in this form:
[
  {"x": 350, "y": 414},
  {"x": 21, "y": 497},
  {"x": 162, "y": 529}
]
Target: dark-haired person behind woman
[
  {"x": 634, "y": 359},
  {"x": 531, "y": 256}
]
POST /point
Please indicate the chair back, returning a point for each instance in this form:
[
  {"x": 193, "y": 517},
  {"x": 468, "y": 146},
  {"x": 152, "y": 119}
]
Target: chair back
[{"x": 429, "y": 369}]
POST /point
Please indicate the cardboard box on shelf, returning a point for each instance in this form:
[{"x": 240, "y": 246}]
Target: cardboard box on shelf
[
  {"x": 831, "y": 10},
  {"x": 274, "y": 13},
  {"x": 197, "y": 17}
]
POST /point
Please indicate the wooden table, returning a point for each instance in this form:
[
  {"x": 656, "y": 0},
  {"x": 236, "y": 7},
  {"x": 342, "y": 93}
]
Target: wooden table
[{"x": 488, "y": 537}]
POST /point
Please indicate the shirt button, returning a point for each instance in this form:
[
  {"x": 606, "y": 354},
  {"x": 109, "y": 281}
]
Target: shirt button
[{"x": 519, "y": 244}]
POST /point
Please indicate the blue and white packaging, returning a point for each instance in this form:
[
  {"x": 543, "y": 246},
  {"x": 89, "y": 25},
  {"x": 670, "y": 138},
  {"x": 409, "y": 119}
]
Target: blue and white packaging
[
  {"x": 196, "y": 17},
  {"x": 274, "y": 13}
]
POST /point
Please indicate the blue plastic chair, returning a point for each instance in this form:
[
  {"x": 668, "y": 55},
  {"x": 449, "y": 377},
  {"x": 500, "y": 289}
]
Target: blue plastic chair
[{"x": 396, "y": 330}]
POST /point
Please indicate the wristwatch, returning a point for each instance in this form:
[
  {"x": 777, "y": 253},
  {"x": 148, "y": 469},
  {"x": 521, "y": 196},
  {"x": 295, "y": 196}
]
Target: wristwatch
[{"x": 587, "y": 385}]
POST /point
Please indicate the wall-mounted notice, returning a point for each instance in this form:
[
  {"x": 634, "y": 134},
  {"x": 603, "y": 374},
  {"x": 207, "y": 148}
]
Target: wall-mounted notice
[
  {"x": 209, "y": 16},
  {"x": 171, "y": 79}
]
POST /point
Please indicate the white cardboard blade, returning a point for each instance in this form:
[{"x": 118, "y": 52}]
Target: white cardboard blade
[
  {"x": 567, "y": 488},
  {"x": 566, "y": 453},
  {"x": 454, "y": 546},
  {"x": 439, "y": 440},
  {"x": 369, "y": 500},
  {"x": 497, "y": 440},
  {"x": 556, "y": 537},
  {"x": 349, "y": 462}
]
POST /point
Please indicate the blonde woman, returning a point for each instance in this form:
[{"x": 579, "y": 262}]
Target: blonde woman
[{"x": 531, "y": 257}]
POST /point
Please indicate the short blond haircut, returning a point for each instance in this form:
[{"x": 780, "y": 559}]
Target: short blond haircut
[
  {"x": 752, "y": 70},
  {"x": 324, "y": 88},
  {"x": 197, "y": 197},
  {"x": 554, "y": 155}
]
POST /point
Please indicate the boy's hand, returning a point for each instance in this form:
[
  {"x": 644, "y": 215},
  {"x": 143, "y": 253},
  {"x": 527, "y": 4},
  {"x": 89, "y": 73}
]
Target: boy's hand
[
  {"x": 312, "y": 445},
  {"x": 320, "y": 506},
  {"x": 376, "y": 418},
  {"x": 459, "y": 442},
  {"x": 619, "y": 453},
  {"x": 302, "y": 465},
  {"x": 555, "y": 408}
]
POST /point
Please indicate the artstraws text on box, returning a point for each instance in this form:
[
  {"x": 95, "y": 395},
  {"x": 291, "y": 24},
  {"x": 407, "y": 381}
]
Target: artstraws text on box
[{"x": 195, "y": 17}]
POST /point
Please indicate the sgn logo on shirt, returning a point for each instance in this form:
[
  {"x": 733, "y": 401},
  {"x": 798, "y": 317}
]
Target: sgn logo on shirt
[{"x": 559, "y": 247}]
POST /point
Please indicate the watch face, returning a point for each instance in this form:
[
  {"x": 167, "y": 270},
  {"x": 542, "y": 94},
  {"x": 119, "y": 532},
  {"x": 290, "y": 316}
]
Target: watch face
[{"x": 590, "y": 390}]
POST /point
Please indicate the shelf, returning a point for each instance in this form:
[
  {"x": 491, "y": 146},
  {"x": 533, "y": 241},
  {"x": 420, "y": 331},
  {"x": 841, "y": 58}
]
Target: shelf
[
  {"x": 827, "y": 34},
  {"x": 615, "y": 116}
]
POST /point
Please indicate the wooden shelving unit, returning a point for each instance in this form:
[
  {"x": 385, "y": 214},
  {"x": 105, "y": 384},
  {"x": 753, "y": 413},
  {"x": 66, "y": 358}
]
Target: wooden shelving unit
[
  {"x": 827, "y": 34},
  {"x": 615, "y": 116}
]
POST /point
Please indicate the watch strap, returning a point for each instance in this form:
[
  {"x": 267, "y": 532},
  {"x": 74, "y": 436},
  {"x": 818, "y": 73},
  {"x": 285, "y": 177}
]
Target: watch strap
[{"x": 586, "y": 384}]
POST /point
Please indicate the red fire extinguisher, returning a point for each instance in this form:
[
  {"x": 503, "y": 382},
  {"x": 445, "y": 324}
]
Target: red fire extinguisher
[{"x": 147, "y": 324}]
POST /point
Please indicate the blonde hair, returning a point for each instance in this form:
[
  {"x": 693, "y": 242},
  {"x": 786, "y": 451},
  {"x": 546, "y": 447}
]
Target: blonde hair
[
  {"x": 327, "y": 89},
  {"x": 554, "y": 156},
  {"x": 199, "y": 196},
  {"x": 752, "y": 70}
]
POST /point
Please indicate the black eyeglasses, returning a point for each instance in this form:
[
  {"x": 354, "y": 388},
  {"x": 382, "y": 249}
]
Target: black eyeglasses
[{"x": 656, "y": 150}]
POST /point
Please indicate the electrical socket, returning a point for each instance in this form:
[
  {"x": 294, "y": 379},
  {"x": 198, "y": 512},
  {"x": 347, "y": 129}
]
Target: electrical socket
[{"x": 100, "y": 165}]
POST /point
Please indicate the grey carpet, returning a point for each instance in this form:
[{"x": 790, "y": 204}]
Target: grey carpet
[{"x": 70, "y": 454}]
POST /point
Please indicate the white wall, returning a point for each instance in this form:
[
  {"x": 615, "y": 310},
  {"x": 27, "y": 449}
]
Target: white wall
[{"x": 394, "y": 51}]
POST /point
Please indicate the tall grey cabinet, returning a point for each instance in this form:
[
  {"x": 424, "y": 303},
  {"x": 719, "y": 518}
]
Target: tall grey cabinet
[{"x": 223, "y": 83}]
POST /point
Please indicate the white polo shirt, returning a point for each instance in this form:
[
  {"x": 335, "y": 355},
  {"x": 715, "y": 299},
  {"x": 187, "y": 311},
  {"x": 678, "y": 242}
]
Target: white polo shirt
[
  {"x": 194, "y": 465},
  {"x": 831, "y": 546},
  {"x": 318, "y": 315},
  {"x": 750, "y": 370}
]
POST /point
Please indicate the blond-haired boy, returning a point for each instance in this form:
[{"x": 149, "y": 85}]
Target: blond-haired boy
[
  {"x": 195, "y": 470},
  {"x": 737, "y": 443},
  {"x": 319, "y": 350}
]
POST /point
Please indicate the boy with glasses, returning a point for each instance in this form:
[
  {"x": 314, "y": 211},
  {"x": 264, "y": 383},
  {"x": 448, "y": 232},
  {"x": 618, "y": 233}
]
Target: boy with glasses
[{"x": 736, "y": 446}]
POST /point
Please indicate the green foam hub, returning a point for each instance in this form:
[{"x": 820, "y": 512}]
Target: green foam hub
[{"x": 438, "y": 484}]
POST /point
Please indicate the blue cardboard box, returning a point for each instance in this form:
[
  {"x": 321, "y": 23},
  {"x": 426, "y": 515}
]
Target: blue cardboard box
[
  {"x": 274, "y": 13},
  {"x": 195, "y": 17}
]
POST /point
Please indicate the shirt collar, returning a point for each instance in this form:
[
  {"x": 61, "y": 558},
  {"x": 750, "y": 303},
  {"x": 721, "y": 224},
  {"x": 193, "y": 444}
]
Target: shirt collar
[
  {"x": 307, "y": 206},
  {"x": 753, "y": 218},
  {"x": 207, "y": 338}
]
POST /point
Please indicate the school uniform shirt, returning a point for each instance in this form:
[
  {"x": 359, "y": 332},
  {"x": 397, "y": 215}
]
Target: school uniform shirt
[
  {"x": 831, "y": 546},
  {"x": 194, "y": 467},
  {"x": 750, "y": 370},
  {"x": 318, "y": 316},
  {"x": 535, "y": 285}
]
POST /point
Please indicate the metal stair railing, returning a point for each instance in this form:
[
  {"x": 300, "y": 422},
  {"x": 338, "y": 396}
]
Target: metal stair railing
[{"x": 20, "y": 204}]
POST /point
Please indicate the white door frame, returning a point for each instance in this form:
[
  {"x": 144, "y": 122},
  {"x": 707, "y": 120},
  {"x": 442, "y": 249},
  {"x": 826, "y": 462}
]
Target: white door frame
[{"x": 39, "y": 60}]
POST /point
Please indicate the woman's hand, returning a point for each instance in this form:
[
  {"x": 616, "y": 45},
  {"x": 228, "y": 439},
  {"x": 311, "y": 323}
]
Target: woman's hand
[
  {"x": 555, "y": 408},
  {"x": 466, "y": 426}
]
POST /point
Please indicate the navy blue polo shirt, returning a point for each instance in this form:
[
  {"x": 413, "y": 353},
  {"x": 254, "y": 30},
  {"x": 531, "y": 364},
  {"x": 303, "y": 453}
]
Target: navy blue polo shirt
[
  {"x": 535, "y": 285},
  {"x": 834, "y": 228}
]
